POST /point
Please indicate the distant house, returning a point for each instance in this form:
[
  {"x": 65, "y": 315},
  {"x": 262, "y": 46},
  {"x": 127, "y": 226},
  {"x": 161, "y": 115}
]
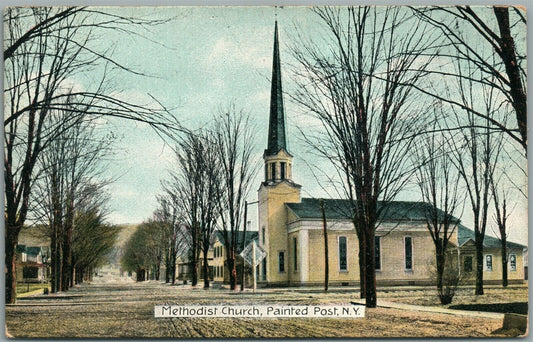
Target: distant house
[
  {"x": 184, "y": 266},
  {"x": 220, "y": 267},
  {"x": 32, "y": 263}
]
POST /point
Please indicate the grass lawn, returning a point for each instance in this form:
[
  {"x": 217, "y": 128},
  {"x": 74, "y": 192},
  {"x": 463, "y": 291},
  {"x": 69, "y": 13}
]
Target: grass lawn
[{"x": 28, "y": 287}]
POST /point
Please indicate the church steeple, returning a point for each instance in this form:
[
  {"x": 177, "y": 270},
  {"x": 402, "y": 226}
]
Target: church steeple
[
  {"x": 278, "y": 161},
  {"x": 277, "y": 139}
]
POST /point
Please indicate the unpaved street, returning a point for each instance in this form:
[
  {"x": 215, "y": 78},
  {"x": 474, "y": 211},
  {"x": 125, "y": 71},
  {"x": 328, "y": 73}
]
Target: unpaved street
[{"x": 101, "y": 310}]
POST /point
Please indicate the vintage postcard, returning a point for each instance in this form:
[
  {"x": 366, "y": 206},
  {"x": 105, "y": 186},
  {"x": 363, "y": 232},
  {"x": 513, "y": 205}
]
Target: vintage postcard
[{"x": 265, "y": 172}]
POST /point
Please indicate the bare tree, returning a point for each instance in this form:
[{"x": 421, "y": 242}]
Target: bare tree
[
  {"x": 195, "y": 186},
  {"x": 68, "y": 167},
  {"x": 234, "y": 136},
  {"x": 359, "y": 89},
  {"x": 45, "y": 48},
  {"x": 438, "y": 182},
  {"x": 209, "y": 209},
  {"x": 476, "y": 33},
  {"x": 502, "y": 212},
  {"x": 476, "y": 151},
  {"x": 169, "y": 213},
  {"x": 92, "y": 238}
]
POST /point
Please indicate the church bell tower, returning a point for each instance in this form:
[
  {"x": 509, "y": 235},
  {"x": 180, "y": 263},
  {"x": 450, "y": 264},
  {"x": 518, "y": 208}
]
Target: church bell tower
[{"x": 277, "y": 187}]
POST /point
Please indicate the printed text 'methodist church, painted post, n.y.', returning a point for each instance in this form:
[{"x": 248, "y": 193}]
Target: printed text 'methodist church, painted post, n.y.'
[{"x": 291, "y": 231}]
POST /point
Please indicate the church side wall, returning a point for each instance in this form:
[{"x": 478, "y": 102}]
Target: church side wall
[
  {"x": 317, "y": 260},
  {"x": 393, "y": 258}
]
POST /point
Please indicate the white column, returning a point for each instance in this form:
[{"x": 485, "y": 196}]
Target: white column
[{"x": 303, "y": 254}]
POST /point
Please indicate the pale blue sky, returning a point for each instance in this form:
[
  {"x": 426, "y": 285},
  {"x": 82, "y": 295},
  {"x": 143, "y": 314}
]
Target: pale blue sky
[{"x": 204, "y": 58}]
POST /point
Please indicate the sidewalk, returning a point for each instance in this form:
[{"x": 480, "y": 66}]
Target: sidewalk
[{"x": 434, "y": 309}]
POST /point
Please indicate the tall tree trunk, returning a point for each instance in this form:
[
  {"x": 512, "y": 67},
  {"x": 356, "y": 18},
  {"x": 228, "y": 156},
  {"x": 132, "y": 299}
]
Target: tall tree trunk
[
  {"x": 504, "y": 260},
  {"x": 479, "y": 266},
  {"x": 11, "y": 241},
  {"x": 326, "y": 251},
  {"x": 168, "y": 266},
  {"x": 205, "y": 269},
  {"x": 439, "y": 255},
  {"x": 370, "y": 276},
  {"x": 66, "y": 255},
  {"x": 362, "y": 265},
  {"x": 232, "y": 270},
  {"x": 512, "y": 69},
  {"x": 173, "y": 264}
]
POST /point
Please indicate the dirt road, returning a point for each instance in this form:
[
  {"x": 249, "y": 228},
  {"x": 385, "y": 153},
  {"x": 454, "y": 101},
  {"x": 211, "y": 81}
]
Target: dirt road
[{"x": 127, "y": 310}]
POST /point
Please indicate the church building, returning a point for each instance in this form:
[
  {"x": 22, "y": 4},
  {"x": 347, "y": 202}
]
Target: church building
[{"x": 291, "y": 230}]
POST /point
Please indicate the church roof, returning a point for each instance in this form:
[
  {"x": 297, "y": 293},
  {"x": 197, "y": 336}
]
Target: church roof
[
  {"x": 277, "y": 139},
  {"x": 464, "y": 235},
  {"x": 340, "y": 209}
]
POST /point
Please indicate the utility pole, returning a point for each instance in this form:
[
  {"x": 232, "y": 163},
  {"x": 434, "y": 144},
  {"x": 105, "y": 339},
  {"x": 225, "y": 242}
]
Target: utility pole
[
  {"x": 244, "y": 242},
  {"x": 253, "y": 265}
]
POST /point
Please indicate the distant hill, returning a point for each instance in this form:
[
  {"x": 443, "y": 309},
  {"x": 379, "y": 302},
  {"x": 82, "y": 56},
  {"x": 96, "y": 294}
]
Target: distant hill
[{"x": 126, "y": 231}]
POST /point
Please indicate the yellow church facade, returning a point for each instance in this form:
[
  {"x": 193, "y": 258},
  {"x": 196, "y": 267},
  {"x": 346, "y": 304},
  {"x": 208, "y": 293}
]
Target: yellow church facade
[{"x": 291, "y": 229}]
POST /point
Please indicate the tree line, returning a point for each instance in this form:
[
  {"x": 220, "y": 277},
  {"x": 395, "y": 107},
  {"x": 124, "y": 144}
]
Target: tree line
[
  {"x": 205, "y": 191},
  {"x": 48, "y": 120}
]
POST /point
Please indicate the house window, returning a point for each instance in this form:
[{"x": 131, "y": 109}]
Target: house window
[
  {"x": 377, "y": 252},
  {"x": 272, "y": 171},
  {"x": 408, "y": 253},
  {"x": 512, "y": 262},
  {"x": 343, "y": 264},
  {"x": 488, "y": 262},
  {"x": 295, "y": 249},
  {"x": 468, "y": 263},
  {"x": 281, "y": 261},
  {"x": 283, "y": 170}
]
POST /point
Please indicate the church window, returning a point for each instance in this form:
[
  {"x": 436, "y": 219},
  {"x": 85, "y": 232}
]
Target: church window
[
  {"x": 343, "y": 264},
  {"x": 468, "y": 263},
  {"x": 283, "y": 170},
  {"x": 281, "y": 260},
  {"x": 512, "y": 262},
  {"x": 264, "y": 269},
  {"x": 408, "y": 253},
  {"x": 295, "y": 248},
  {"x": 273, "y": 171},
  {"x": 266, "y": 172},
  {"x": 263, "y": 236},
  {"x": 377, "y": 252}
]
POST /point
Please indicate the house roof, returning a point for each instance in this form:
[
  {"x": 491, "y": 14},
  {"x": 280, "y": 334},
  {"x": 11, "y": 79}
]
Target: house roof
[
  {"x": 464, "y": 235},
  {"x": 28, "y": 250},
  {"x": 341, "y": 209},
  {"x": 250, "y": 235}
]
